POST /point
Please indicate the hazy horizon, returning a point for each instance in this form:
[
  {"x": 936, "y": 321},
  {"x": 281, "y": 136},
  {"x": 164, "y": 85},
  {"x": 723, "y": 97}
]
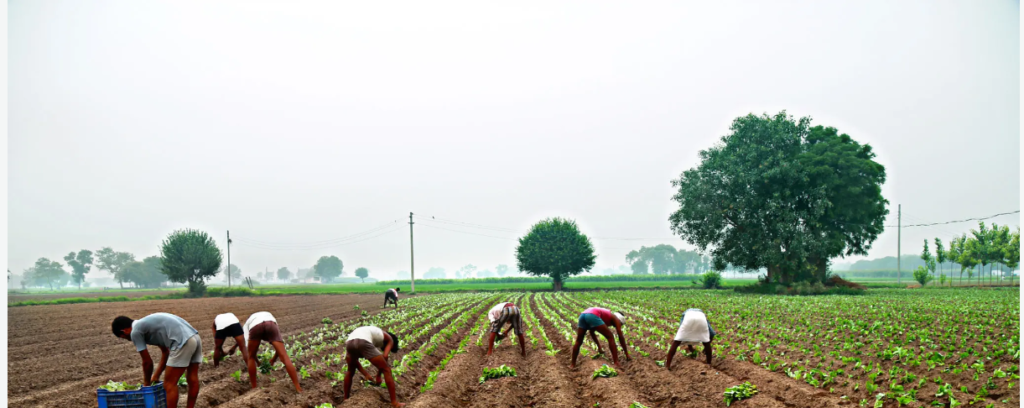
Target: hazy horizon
[{"x": 292, "y": 125}]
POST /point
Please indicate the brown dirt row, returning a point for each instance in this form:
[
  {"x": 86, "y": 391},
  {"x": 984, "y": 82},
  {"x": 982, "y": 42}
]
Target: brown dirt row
[
  {"x": 539, "y": 382},
  {"x": 71, "y": 374},
  {"x": 693, "y": 383},
  {"x": 317, "y": 389}
]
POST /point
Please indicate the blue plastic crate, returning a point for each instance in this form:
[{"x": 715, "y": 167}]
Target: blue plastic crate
[{"x": 152, "y": 396}]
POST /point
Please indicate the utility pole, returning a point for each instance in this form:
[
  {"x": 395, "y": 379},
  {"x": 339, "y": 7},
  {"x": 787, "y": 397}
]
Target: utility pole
[
  {"x": 899, "y": 232},
  {"x": 412, "y": 263},
  {"x": 229, "y": 259}
]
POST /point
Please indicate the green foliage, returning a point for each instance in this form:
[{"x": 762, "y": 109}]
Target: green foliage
[
  {"x": 326, "y": 320},
  {"x": 362, "y": 273},
  {"x": 637, "y": 405},
  {"x": 234, "y": 291},
  {"x": 117, "y": 386},
  {"x": 555, "y": 248},
  {"x": 145, "y": 274},
  {"x": 80, "y": 264},
  {"x": 328, "y": 267},
  {"x": 190, "y": 256},
  {"x": 325, "y": 405},
  {"x": 114, "y": 262},
  {"x": 237, "y": 375},
  {"x": 711, "y": 280},
  {"x": 922, "y": 276},
  {"x": 50, "y": 272},
  {"x": 492, "y": 373},
  {"x": 813, "y": 195},
  {"x": 605, "y": 372},
  {"x": 739, "y": 392},
  {"x": 283, "y": 274}
]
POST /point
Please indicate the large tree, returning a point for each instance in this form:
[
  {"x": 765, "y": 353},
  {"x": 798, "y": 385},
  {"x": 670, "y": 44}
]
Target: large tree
[
  {"x": 146, "y": 274},
  {"x": 190, "y": 256},
  {"x": 501, "y": 270},
  {"x": 556, "y": 248},
  {"x": 283, "y": 274},
  {"x": 780, "y": 195},
  {"x": 49, "y": 272},
  {"x": 362, "y": 273},
  {"x": 465, "y": 272},
  {"x": 328, "y": 268},
  {"x": 80, "y": 264},
  {"x": 114, "y": 262}
]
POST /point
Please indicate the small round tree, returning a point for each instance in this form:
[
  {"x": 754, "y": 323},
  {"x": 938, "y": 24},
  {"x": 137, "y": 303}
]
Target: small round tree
[
  {"x": 190, "y": 256},
  {"x": 555, "y": 247},
  {"x": 362, "y": 273},
  {"x": 328, "y": 268}
]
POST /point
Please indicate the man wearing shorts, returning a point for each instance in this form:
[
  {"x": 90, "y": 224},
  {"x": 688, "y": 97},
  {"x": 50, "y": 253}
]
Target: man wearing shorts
[
  {"x": 501, "y": 314},
  {"x": 391, "y": 296},
  {"x": 367, "y": 342},
  {"x": 179, "y": 343},
  {"x": 227, "y": 326},
  {"x": 261, "y": 326},
  {"x": 694, "y": 328},
  {"x": 597, "y": 319}
]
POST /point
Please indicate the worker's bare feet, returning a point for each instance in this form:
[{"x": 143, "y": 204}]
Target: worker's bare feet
[{"x": 397, "y": 404}]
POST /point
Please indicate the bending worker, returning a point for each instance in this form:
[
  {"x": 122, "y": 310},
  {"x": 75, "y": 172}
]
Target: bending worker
[
  {"x": 501, "y": 314},
  {"x": 694, "y": 328},
  {"x": 597, "y": 319}
]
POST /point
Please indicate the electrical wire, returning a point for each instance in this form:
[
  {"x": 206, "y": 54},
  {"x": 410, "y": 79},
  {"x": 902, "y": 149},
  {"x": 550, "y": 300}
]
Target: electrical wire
[
  {"x": 957, "y": 221},
  {"x": 502, "y": 229}
]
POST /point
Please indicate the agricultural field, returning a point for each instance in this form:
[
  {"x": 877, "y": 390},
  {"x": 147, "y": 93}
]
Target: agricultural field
[{"x": 888, "y": 348}]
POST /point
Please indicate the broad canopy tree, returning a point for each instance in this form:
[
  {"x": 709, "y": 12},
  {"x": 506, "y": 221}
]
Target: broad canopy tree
[
  {"x": 556, "y": 248},
  {"x": 328, "y": 268},
  {"x": 781, "y": 195},
  {"x": 190, "y": 256},
  {"x": 362, "y": 273},
  {"x": 235, "y": 271},
  {"x": 114, "y": 262},
  {"x": 283, "y": 274}
]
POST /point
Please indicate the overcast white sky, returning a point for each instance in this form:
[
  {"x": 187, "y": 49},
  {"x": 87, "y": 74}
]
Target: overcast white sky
[{"x": 304, "y": 122}]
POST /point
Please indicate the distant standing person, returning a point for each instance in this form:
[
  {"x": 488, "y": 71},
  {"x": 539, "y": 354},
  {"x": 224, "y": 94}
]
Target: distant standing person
[
  {"x": 597, "y": 319},
  {"x": 262, "y": 326},
  {"x": 226, "y": 326},
  {"x": 180, "y": 346},
  {"x": 694, "y": 328},
  {"x": 374, "y": 344},
  {"x": 391, "y": 296},
  {"x": 500, "y": 314}
]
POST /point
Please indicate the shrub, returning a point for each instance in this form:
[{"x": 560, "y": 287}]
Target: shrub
[
  {"x": 229, "y": 292},
  {"x": 922, "y": 276},
  {"x": 711, "y": 280}
]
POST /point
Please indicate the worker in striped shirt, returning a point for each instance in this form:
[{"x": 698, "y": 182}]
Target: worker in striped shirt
[{"x": 501, "y": 314}]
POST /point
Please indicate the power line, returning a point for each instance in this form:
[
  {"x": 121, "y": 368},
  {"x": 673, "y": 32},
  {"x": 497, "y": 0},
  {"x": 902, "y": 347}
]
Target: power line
[{"x": 957, "y": 221}]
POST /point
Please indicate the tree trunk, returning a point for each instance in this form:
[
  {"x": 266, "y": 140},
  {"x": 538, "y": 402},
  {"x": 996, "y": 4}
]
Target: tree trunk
[{"x": 557, "y": 285}]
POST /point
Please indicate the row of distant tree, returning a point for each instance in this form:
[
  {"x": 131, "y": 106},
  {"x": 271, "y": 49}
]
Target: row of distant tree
[
  {"x": 996, "y": 248},
  {"x": 149, "y": 272}
]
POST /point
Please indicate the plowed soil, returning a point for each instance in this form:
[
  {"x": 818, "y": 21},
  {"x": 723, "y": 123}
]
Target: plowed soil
[{"x": 59, "y": 354}]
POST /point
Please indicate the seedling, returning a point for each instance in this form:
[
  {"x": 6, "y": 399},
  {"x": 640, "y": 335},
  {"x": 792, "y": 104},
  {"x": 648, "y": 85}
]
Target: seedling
[
  {"x": 605, "y": 371},
  {"x": 502, "y": 371},
  {"x": 739, "y": 392}
]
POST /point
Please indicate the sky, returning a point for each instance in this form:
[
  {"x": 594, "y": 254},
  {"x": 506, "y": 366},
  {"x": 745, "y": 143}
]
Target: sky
[{"x": 315, "y": 128}]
